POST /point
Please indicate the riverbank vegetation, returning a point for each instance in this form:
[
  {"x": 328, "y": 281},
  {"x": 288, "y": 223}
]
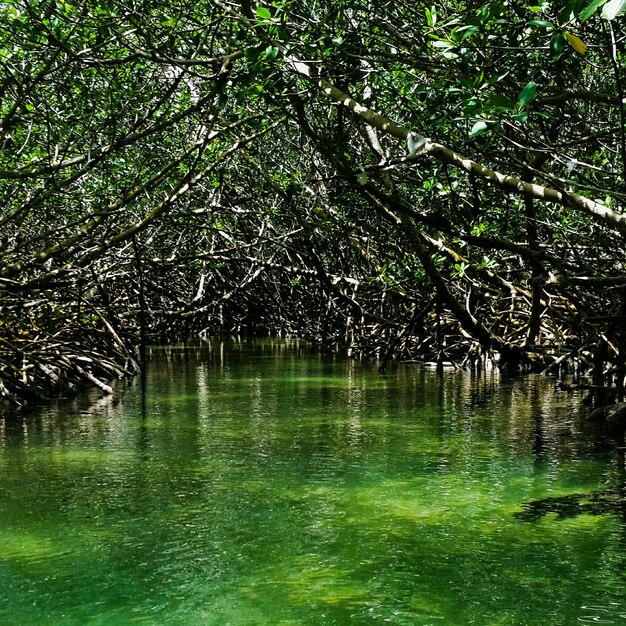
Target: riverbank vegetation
[{"x": 385, "y": 180}]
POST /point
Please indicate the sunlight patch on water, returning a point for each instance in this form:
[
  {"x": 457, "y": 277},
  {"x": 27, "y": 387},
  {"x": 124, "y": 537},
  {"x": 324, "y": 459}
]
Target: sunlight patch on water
[{"x": 26, "y": 550}]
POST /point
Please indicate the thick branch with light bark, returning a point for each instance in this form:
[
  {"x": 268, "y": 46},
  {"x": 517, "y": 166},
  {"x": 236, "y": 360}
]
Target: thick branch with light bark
[{"x": 599, "y": 212}]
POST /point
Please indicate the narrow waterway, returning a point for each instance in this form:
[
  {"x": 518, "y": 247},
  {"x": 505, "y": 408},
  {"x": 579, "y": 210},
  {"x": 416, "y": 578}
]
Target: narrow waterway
[{"x": 257, "y": 484}]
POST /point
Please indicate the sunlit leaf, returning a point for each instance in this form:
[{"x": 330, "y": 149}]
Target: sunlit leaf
[
  {"x": 263, "y": 13},
  {"x": 271, "y": 52},
  {"x": 478, "y": 128},
  {"x": 590, "y": 9},
  {"x": 613, "y": 8},
  {"x": 442, "y": 44},
  {"x": 576, "y": 43},
  {"x": 527, "y": 94},
  {"x": 465, "y": 31},
  {"x": 433, "y": 15}
]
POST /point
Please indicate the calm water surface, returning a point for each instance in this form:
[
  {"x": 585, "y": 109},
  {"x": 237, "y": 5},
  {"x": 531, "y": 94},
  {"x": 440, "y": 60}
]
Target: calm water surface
[{"x": 257, "y": 484}]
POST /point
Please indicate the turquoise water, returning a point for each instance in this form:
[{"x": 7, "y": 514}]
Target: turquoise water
[{"x": 255, "y": 483}]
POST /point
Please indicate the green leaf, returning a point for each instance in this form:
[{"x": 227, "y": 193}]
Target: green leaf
[
  {"x": 263, "y": 13},
  {"x": 496, "y": 78},
  {"x": 527, "y": 94},
  {"x": 478, "y": 128},
  {"x": 557, "y": 46},
  {"x": 570, "y": 8},
  {"x": 520, "y": 117},
  {"x": 468, "y": 31},
  {"x": 500, "y": 101},
  {"x": 433, "y": 15},
  {"x": 541, "y": 24},
  {"x": 460, "y": 33},
  {"x": 578, "y": 44},
  {"x": 471, "y": 105},
  {"x": 613, "y": 8},
  {"x": 590, "y": 9},
  {"x": 271, "y": 52}
]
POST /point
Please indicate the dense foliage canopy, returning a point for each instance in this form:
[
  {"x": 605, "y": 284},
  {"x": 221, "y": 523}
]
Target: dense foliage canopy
[{"x": 387, "y": 179}]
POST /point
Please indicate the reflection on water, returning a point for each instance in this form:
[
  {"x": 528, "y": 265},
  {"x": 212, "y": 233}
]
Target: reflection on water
[{"x": 255, "y": 483}]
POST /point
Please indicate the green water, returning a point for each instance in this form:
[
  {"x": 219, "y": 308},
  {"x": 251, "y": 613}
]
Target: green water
[{"x": 258, "y": 484}]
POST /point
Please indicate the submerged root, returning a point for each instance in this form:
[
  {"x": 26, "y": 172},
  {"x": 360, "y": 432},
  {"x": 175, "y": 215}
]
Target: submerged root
[{"x": 607, "y": 501}]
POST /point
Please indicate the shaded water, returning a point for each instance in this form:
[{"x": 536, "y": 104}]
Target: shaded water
[{"x": 257, "y": 484}]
